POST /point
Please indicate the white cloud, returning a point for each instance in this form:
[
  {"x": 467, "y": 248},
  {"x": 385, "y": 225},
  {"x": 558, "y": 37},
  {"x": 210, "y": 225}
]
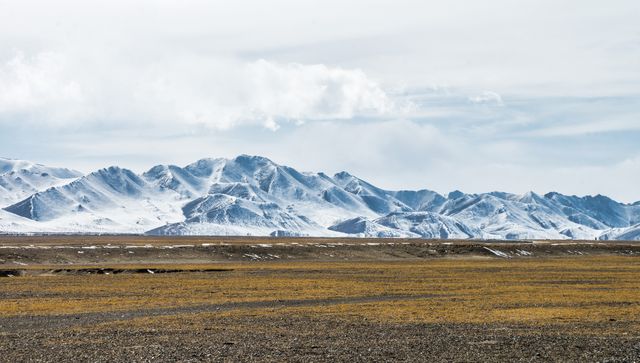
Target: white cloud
[
  {"x": 610, "y": 124},
  {"x": 37, "y": 86},
  {"x": 224, "y": 94},
  {"x": 308, "y": 92},
  {"x": 212, "y": 92},
  {"x": 487, "y": 97}
]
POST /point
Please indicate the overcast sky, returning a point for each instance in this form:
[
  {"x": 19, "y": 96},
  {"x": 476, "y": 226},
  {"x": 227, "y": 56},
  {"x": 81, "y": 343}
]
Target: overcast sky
[{"x": 471, "y": 95}]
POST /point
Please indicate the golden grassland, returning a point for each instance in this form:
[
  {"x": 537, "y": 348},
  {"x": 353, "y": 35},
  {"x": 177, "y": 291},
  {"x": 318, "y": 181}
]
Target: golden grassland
[{"x": 524, "y": 291}]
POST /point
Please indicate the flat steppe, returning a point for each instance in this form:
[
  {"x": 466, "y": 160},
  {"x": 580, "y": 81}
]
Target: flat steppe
[{"x": 149, "y": 299}]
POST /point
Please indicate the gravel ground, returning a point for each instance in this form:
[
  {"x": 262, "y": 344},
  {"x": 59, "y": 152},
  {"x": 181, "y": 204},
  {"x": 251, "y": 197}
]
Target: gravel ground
[{"x": 304, "y": 339}]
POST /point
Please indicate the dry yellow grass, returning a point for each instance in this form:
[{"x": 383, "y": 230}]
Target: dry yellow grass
[{"x": 535, "y": 291}]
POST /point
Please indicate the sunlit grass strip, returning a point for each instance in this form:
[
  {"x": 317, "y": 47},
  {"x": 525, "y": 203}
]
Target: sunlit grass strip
[{"x": 524, "y": 291}]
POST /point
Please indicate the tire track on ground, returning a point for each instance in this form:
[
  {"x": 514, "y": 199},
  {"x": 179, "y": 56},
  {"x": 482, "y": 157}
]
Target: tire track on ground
[{"x": 21, "y": 323}]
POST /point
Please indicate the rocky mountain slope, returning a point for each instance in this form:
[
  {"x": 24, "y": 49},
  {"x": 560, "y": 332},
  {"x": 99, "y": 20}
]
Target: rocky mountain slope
[{"x": 252, "y": 195}]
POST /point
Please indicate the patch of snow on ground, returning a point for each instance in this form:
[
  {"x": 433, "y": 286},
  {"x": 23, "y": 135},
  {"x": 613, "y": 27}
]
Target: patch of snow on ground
[{"x": 497, "y": 253}]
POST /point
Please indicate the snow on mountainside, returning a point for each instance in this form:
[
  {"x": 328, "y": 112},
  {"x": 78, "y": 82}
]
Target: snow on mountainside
[
  {"x": 253, "y": 178},
  {"x": 378, "y": 200},
  {"x": 421, "y": 200},
  {"x": 631, "y": 233},
  {"x": 253, "y": 195},
  {"x": 429, "y": 225},
  {"x": 599, "y": 207},
  {"x": 509, "y": 216},
  {"x": 363, "y": 227},
  {"x": 218, "y": 212},
  {"x": 20, "y": 178},
  {"x": 108, "y": 200},
  {"x": 626, "y": 234},
  {"x": 13, "y": 224}
]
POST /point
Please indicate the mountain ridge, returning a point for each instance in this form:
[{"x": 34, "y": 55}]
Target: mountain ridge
[{"x": 253, "y": 195}]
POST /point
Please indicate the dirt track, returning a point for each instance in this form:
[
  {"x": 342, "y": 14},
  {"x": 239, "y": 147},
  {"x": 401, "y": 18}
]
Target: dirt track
[{"x": 11, "y": 324}]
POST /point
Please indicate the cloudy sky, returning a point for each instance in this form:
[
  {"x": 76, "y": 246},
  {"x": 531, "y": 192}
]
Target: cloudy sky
[{"x": 495, "y": 95}]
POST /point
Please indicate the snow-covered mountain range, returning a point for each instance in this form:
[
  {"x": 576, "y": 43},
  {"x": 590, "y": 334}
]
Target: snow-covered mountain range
[{"x": 251, "y": 195}]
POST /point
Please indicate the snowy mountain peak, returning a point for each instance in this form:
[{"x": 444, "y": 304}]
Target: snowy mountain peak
[
  {"x": 254, "y": 195},
  {"x": 8, "y": 165},
  {"x": 205, "y": 167},
  {"x": 252, "y": 161},
  {"x": 531, "y": 197},
  {"x": 27, "y": 167},
  {"x": 343, "y": 175},
  {"x": 455, "y": 194},
  {"x": 21, "y": 178},
  {"x": 120, "y": 180}
]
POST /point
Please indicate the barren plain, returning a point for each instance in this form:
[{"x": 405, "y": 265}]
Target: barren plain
[{"x": 149, "y": 299}]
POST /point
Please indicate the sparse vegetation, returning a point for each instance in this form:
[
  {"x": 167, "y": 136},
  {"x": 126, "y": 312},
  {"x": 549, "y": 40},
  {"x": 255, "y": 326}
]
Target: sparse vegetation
[
  {"x": 533, "y": 291},
  {"x": 581, "y": 298}
]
